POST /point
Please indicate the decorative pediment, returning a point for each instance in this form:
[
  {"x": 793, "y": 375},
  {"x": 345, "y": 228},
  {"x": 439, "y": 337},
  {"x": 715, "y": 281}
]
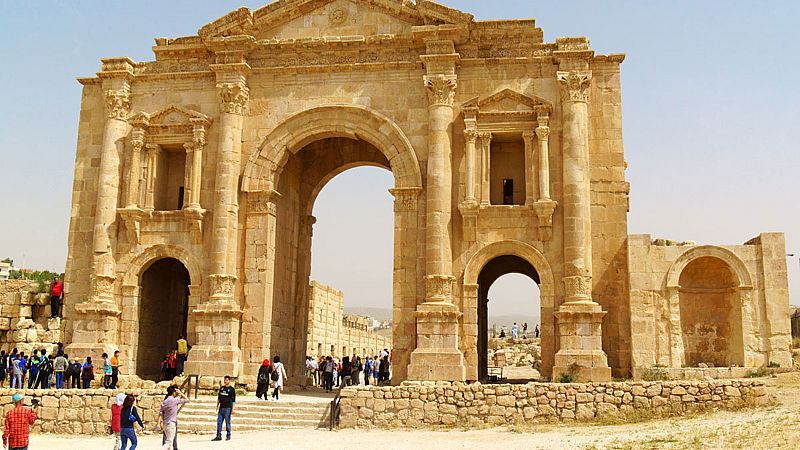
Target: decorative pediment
[
  {"x": 303, "y": 19},
  {"x": 173, "y": 124},
  {"x": 506, "y": 102}
]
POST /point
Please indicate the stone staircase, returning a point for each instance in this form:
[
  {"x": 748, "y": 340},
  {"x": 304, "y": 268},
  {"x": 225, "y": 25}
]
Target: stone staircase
[{"x": 200, "y": 417}]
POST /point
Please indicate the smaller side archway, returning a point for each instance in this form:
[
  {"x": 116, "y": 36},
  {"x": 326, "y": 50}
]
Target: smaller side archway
[
  {"x": 708, "y": 290},
  {"x": 160, "y": 289},
  {"x": 488, "y": 264}
]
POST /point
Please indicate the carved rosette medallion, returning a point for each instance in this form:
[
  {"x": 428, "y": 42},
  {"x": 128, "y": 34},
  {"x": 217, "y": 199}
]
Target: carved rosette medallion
[
  {"x": 221, "y": 286},
  {"x": 574, "y": 85},
  {"x": 232, "y": 97},
  {"x": 337, "y": 16},
  {"x": 441, "y": 89},
  {"x": 103, "y": 288},
  {"x": 405, "y": 199},
  {"x": 578, "y": 288},
  {"x": 118, "y": 103},
  {"x": 439, "y": 288}
]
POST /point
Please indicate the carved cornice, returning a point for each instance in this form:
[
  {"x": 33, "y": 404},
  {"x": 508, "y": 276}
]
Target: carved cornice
[
  {"x": 263, "y": 202},
  {"x": 118, "y": 103},
  {"x": 405, "y": 199},
  {"x": 232, "y": 97},
  {"x": 441, "y": 89},
  {"x": 574, "y": 85}
]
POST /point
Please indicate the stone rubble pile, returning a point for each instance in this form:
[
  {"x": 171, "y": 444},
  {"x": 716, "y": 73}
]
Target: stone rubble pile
[
  {"x": 414, "y": 404},
  {"x": 25, "y": 321}
]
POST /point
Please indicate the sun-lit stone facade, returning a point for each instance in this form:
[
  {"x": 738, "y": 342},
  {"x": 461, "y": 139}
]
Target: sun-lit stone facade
[{"x": 507, "y": 156}]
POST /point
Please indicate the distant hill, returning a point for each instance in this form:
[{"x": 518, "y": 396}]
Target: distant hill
[{"x": 377, "y": 313}]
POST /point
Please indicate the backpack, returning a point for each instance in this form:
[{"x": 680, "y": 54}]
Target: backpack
[
  {"x": 88, "y": 372},
  {"x": 75, "y": 369},
  {"x": 274, "y": 375},
  {"x": 46, "y": 365},
  {"x": 264, "y": 375}
]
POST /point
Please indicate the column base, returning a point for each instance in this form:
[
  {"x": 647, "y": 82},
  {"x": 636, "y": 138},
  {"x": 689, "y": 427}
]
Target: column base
[
  {"x": 580, "y": 353},
  {"x": 217, "y": 352},
  {"x": 437, "y": 357},
  {"x": 214, "y": 361}
]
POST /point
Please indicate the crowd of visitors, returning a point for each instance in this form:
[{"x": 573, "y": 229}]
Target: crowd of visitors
[
  {"x": 515, "y": 331},
  {"x": 329, "y": 372},
  {"x": 42, "y": 371}
]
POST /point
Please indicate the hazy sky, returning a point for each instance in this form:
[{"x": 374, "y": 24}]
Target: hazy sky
[{"x": 710, "y": 113}]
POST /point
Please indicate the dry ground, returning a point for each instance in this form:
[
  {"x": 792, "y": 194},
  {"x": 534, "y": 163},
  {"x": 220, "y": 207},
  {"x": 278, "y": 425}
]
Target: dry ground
[{"x": 774, "y": 427}]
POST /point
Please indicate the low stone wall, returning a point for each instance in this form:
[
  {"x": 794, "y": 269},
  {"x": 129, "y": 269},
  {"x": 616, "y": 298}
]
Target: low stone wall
[
  {"x": 78, "y": 411},
  {"x": 427, "y": 403},
  {"x": 25, "y": 322}
]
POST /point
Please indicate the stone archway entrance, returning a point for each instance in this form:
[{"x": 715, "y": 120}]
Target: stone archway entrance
[
  {"x": 494, "y": 269},
  {"x": 281, "y": 183},
  {"x": 163, "y": 313}
]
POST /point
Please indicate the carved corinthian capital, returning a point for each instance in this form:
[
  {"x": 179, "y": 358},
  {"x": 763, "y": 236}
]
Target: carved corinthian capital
[
  {"x": 574, "y": 85},
  {"x": 232, "y": 97},
  {"x": 578, "y": 288},
  {"x": 221, "y": 286},
  {"x": 118, "y": 103},
  {"x": 441, "y": 89}
]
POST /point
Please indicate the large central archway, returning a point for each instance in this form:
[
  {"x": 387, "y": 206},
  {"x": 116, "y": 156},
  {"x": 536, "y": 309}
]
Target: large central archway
[{"x": 295, "y": 162}]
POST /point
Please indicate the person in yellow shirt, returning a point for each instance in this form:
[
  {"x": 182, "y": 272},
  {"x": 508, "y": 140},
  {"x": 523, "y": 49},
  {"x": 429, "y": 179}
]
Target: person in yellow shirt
[
  {"x": 183, "y": 353},
  {"x": 115, "y": 365}
]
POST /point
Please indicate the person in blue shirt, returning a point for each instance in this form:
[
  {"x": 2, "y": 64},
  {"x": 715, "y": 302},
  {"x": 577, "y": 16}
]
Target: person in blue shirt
[
  {"x": 33, "y": 369},
  {"x": 23, "y": 365},
  {"x": 367, "y": 370}
]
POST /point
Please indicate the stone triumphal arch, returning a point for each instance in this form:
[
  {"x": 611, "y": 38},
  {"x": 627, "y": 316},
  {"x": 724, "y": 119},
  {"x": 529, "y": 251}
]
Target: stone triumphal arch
[{"x": 199, "y": 170}]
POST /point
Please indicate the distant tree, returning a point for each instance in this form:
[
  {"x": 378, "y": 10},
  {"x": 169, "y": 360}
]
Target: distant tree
[{"x": 8, "y": 260}]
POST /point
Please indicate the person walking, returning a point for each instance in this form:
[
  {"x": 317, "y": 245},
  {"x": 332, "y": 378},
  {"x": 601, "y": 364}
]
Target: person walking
[
  {"x": 17, "y": 427},
  {"x": 60, "y": 367},
  {"x": 106, "y": 369},
  {"x": 183, "y": 353},
  {"x": 226, "y": 399},
  {"x": 262, "y": 388},
  {"x": 115, "y": 365},
  {"x": 116, "y": 410},
  {"x": 327, "y": 373},
  {"x": 87, "y": 372},
  {"x": 168, "y": 416},
  {"x": 128, "y": 416},
  {"x": 56, "y": 295},
  {"x": 278, "y": 377}
]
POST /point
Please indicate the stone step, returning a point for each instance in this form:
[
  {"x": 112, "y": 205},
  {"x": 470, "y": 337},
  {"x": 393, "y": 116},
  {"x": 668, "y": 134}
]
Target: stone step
[
  {"x": 208, "y": 415},
  {"x": 200, "y": 416}
]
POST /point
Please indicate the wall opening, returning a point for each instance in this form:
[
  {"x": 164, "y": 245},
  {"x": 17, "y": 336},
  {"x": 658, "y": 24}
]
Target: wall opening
[
  {"x": 507, "y": 169},
  {"x": 508, "y": 293},
  {"x": 169, "y": 178},
  {"x": 163, "y": 314},
  {"x": 711, "y": 314}
]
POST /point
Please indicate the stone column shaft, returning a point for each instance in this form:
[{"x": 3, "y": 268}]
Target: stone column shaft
[
  {"x": 530, "y": 168},
  {"x": 188, "y": 173},
  {"x": 115, "y": 129},
  {"x": 150, "y": 179},
  {"x": 576, "y": 185},
  {"x": 137, "y": 142},
  {"x": 486, "y": 143},
  {"x": 197, "y": 173},
  {"x": 471, "y": 136},
  {"x": 543, "y": 133}
]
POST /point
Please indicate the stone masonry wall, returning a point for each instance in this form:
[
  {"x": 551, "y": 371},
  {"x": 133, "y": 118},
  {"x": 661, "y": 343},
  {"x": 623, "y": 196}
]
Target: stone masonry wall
[
  {"x": 441, "y": 403},
  {"x": 79, "y": 411},
  {"x": 25, "y": 321}
]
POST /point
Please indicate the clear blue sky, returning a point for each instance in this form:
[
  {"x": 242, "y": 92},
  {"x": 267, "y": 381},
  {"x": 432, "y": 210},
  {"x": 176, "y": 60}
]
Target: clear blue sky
[{"x": 710, "y": 111}]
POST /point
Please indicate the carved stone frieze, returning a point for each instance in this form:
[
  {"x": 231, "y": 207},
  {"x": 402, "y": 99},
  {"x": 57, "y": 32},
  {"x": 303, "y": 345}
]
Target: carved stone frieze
[
  {"x": 441, "y": 89},
  {"x": 405, "y": 199},
  {"x": 221, "y": 286},
  {"x": 118, "y": 103},
  {"x": 575, "y": 85},
  {"x": 232, "y": 97},
  {"x": 578, "y": 288},
  {"x": 439, "y": 288},
  {"x": 103, "y": 288}
]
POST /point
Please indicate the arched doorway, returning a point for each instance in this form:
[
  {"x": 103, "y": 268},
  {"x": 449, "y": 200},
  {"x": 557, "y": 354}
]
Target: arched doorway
[
  {"x": 710, "y": 314},
  {"x": 491, "y": 272},
  {"x": 163, "y": 313}
]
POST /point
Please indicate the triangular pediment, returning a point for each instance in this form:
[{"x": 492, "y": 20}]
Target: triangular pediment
[
  {"x": 506, "y": 101},
  {"x": 303, "y": 19},
  {"x": 172, "y": 115}
]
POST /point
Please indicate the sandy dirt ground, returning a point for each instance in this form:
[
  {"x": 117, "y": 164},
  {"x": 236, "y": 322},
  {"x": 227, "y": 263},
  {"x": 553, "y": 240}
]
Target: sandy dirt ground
[{"x": 773, "y": 427}]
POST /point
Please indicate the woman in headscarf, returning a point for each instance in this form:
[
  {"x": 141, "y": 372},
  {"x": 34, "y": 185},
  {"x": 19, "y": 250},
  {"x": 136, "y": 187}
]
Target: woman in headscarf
[
  {"x": 279, "y": 380},
  {"x": 263, "y": 380},
  {"x": 116, "y": 409}
]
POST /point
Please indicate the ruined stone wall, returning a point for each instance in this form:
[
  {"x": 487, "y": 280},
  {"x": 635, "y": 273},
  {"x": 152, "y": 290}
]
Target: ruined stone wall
[
  {"x": 81, "y": 411},
  {"x": 710, "y": 305},
  {"x": 25, "y": 322},
  {"x": 440, "y": 403},
  {"x": 330, "y": 332}
]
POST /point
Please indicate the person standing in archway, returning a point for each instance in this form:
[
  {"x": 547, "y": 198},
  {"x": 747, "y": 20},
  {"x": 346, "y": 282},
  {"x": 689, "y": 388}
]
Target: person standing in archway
[
  {"x": 183, "y": 353},
  {"x": 56, "y": 296}
]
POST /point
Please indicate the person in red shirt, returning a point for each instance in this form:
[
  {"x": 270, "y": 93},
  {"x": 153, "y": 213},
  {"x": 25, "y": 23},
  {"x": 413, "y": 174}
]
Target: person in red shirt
[
  {"x": 116, "y": 408},
  {"x": 56, "y": 295},
  {"x": 17, "y": 429}
]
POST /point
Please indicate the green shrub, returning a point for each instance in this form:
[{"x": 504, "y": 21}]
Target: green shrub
[{"x": 566, "y": 378}]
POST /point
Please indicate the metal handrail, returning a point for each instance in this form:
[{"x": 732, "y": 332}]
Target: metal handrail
[
  {"x": 188, "y": 381},
  {"x": 335, "y": 403}
]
